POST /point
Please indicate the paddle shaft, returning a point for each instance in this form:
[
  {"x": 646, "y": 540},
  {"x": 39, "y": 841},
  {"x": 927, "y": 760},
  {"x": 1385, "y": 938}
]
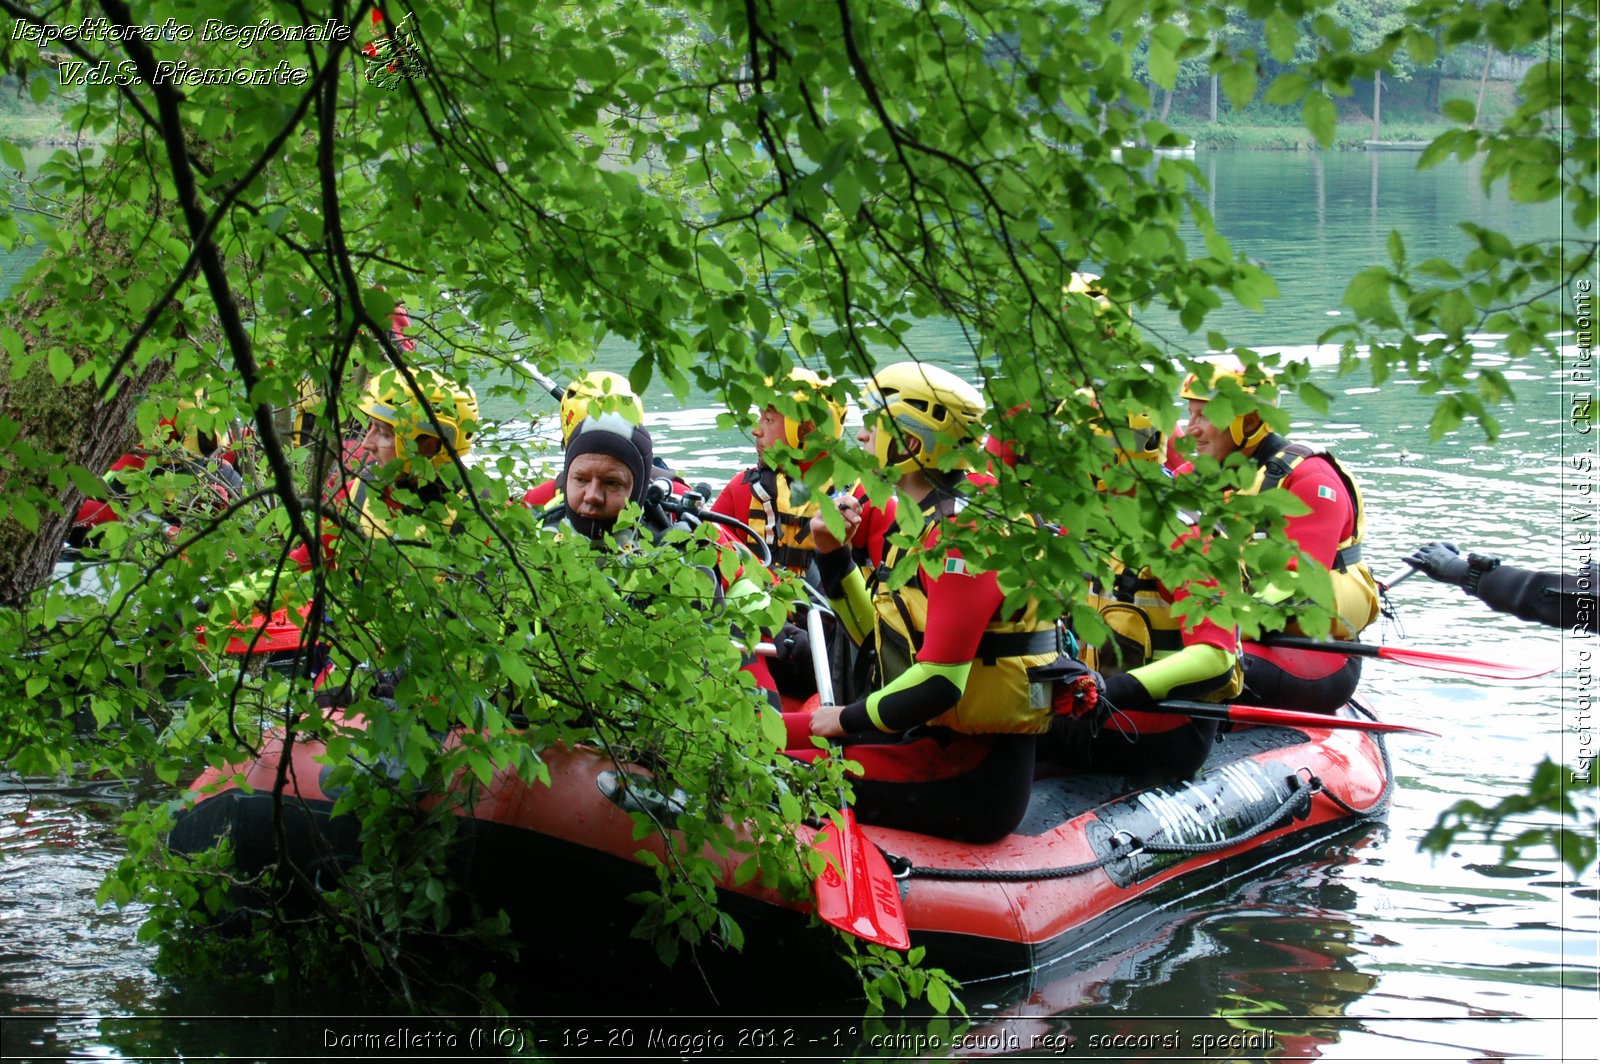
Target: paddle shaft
[
  {"x": 1329, "y": 646},
  {"x": 1401, "y": 574},
  {"x": 1425, "y": 659},
  {"x": 555, "y": 390},
  {"x": 819, "y": 655},
  {"x": 1291, "y": 718}
]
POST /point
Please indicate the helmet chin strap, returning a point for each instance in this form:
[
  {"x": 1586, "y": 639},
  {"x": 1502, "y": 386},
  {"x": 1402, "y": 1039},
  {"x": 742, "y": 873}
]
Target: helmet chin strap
[
  {"x": 1249, "y": 439},
  {"x": 897, "y": 455}
]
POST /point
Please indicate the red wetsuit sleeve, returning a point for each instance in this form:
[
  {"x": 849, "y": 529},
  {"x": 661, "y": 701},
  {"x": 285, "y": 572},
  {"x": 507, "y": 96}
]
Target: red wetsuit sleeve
[
  {"x": 540, "y": 495},
  {"x": 1204, "y": 631},
  {"x": 1332, "y": 517},
  {"x": 960, "y": 605},
  {"x": 94, "y": 512},
  {"x": 98, "y": 512},
  {"x": 734, "y": 499},
  {"x": 731, "y": 544},
  {"x": 301, "y": 555}
]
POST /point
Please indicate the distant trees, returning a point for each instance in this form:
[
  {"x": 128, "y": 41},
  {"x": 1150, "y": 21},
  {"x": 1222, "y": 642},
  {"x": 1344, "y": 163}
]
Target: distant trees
[{"x": 1274, "y": 41}]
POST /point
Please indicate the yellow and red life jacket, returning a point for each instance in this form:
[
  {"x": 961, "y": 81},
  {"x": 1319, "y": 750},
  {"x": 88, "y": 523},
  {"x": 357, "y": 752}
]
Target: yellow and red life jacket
[
  {"x": 782, "y": 520},
  {"x": 999, "y": 697},
  {"x": 1355, "y": 589},
  {"x": 1144, "y": 628}
]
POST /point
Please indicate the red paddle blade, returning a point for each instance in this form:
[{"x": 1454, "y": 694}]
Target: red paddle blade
[
  {"x": 1297, "y": 718},
  {"x": 1289, "y": 718},
  {"x": 1494, "y": 670},
  {"x": 856, "y": 892}
]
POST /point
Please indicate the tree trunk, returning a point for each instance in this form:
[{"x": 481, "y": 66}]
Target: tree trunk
[
  {"x": 1377, "y": 101},
  {"x": 1213, "y": 98},
  {"x": 1435, "y": 74},
  {"x": 1483, "y": 83},
  {"x": 1166, "y": 105},
  {"x": 73, "y": 425}
]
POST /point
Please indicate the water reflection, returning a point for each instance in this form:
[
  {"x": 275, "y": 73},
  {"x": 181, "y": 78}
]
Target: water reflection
[
  {"x": 62, "y": 958},
  {"x": 1268, "y": 970}
]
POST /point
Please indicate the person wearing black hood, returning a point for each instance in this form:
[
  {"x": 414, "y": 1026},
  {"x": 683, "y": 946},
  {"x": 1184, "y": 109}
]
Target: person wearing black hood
[{"x": 607, "y": 464}]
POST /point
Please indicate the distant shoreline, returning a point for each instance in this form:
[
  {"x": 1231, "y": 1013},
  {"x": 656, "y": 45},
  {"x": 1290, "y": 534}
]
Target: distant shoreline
[{"x": 1229, "y": 138}]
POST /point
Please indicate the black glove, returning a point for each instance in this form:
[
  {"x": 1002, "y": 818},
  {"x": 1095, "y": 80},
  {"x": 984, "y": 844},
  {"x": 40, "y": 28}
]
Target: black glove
[
  {"x": 1441, "y": 561},
  {"x": 793, "y": 644},
  {"x": 1126, "y": 693}
]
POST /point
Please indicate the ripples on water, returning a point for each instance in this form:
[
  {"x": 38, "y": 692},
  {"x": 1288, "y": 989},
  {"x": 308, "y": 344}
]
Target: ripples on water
[{"x": 59, "y": 954}]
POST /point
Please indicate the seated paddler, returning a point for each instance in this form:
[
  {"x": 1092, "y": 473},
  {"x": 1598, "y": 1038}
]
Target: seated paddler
[
  {"x": 1161, "y": 645},
  {"x": 946, "y": 738},
  {"x": 408, "y": 482},
  {"x": 1326, "y": 525}
]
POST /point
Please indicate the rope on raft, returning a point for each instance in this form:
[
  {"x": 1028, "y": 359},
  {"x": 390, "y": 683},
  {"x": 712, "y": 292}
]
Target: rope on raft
[{"x": 1126, "y": 846}]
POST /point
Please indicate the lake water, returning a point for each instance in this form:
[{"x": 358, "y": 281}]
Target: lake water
[{"x": 1361, "y": 950}]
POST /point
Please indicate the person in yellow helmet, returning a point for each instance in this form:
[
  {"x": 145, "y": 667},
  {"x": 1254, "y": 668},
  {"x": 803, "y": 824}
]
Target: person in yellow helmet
[
  {"x": 192, "y": 442},
  {"x": 404, "y": 447},
  {"x": 1152, "y": 653},
  {"x": 1087, "y": 289},
  {"x": 777, "y": 507},
  {"x": 766, "y": 497},
  {"x": 1330, "y": 534},
  {"x": 947, "y": 737}
]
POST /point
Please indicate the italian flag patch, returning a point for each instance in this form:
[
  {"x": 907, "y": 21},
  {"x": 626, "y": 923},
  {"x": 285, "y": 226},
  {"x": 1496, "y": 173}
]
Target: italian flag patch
[
  {"x": 1325, "y": 492},
  {"x": 955, "y": 565}
]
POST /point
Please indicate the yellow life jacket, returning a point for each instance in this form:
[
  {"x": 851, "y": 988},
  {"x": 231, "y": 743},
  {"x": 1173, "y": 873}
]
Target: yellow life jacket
[
  {"x": 999, "y": 697},
  {"x": 1144, "y": 628},
  {"x": 781, "y": 520},
  {"x": 1355, "y": 589}
]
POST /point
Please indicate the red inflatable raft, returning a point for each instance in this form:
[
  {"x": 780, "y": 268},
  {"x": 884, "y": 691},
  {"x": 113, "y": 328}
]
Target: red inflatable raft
[{"x": 1090, "y": 857}]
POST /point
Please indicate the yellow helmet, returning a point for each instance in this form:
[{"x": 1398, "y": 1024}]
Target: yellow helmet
[
  {"x": 1137, "y": 440},
  {"x": 389, "y": 398},
  {"x": 934, "y": 412},
  {"x": 1134, "y": 437},
  {"x": 811, "y": 386},
  {"x": 1193, "y": 389},
  {"x": 1087, "y": 284},
  {"x": 578, "y": 402},
  {"x": 198, "y": 427}
]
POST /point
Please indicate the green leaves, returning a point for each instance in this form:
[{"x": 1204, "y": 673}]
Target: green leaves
[
  {"x": 1318, "y": 114},
  {"x": 1368, "y": 296},
  {"x": 1558, "y": 799},
  {"x": 1239, "y": 83},
  {"x": 1281, "y": 35},
  {"x": 1165, "y": 40}
]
